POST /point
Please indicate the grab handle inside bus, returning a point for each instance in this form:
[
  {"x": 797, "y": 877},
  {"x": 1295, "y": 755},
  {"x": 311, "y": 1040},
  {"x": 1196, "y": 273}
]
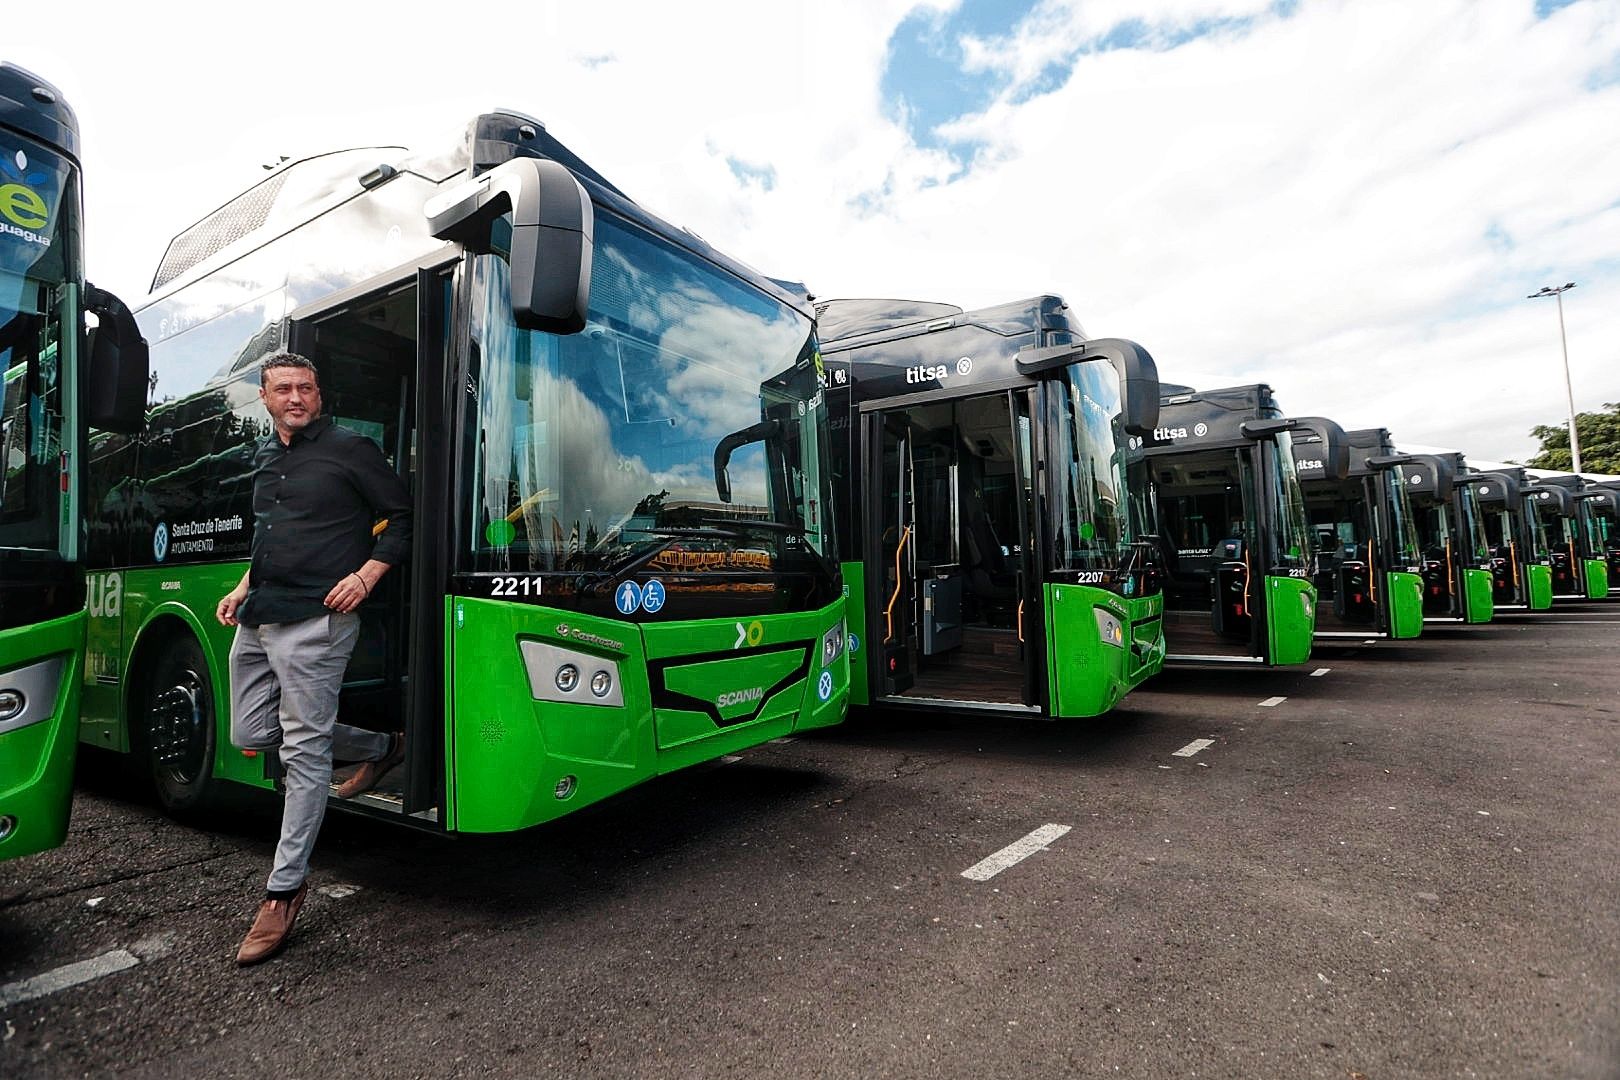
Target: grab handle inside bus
[
  {"x": 765, "y": 429},
  {"x": 552, "y": 228}
]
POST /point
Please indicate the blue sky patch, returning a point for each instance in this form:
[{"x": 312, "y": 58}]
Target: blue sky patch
[
  {"x": 1545, "y": 8},
  {"x": 762, "y": 175}
]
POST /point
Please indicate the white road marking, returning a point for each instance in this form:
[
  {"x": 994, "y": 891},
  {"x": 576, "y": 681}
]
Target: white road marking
[
  {"x": 1319, "y": 672},
  {"x": 730, "y": 759},
  {"x": 69, "y": 975},
  {"x": 338, "y": 891},
  {"x": 1193, "y": 747},
  {"x": 1272, "y": 702},
  {"x": 1015, "y": 853}
]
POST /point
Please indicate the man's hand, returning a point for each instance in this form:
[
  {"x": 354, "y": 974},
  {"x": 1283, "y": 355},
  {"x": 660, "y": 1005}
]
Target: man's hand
[
  {"x": 226, "y": 611},
  {"x": 350, "y": 590}
]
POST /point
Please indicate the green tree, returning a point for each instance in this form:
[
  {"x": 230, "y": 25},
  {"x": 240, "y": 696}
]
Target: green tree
[{"x": 1600, "y": 442}]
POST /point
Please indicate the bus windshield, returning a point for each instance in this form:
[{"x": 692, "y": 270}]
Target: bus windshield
[
  {"x": 38, "y": 231},
  {"x": 1092, "y": 524},
  {"x": 1293, "y": 523},
  {"x": 683, "y": 431},
  {"x": 1472, "y": 525},
  {"x": 1403, "y": 538}
]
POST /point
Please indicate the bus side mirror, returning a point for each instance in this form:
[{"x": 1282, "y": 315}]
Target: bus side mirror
[
  {"x": 552, "y": 229},
  {"x": 1330, "y": 454},
  {"x": 1138, "y": 375},
  {"x": 1441, "y": 481},
  {"x": 119, "y": 366},
  {"x": 765, "y": 429}
]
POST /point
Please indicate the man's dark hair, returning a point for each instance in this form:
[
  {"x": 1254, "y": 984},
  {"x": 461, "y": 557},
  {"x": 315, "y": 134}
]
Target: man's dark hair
[{"x": 287, "y": 359}]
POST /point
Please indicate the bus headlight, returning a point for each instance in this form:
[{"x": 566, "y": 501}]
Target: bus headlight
[
  {"x": 28, "y": 694},
  {"x": 1109, "y": 628},
  {"x": 832, "y": 644},
  {"x": 556, "y": 674}
]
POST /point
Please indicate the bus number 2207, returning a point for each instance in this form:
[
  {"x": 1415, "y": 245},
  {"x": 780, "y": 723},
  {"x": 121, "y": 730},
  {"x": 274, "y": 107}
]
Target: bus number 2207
[{"x": 515, "y": 586}]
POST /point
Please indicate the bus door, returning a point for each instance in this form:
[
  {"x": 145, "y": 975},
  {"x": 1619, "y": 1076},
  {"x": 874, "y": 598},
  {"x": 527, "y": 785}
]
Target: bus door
[
  {"x": 381, "y": 357},
  {"x": 1207, "y": 529},
  {"x": 950, "y": 520}
]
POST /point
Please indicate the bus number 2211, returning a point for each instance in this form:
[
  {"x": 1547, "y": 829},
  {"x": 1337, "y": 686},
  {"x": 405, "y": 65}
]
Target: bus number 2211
[{"x": 515, "y": 586}]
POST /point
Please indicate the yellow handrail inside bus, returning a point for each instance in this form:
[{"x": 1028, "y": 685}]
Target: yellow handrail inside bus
[{"x": 888, "y": 612}]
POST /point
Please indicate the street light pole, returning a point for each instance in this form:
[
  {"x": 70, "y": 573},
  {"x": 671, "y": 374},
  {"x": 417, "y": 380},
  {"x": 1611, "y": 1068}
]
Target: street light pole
[{"x": 1569, "y": 390}]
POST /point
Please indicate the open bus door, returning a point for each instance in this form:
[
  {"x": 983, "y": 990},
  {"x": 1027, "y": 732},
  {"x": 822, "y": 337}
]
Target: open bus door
[{"x": 950, "y": 516}]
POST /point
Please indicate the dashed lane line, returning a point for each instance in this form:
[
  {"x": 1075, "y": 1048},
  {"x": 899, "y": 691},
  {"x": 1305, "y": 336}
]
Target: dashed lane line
[
  {"x": 1015, "y": 853},
  {"x": 70, "y": 975},
  {"x": 1319, "y": 672},
  {"x": 1272, "y": 702},
  {"x": 1193, "y": 747}
]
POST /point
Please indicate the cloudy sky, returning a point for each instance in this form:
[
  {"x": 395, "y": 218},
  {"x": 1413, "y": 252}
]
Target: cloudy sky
[{"x": 1347, "y": 200}]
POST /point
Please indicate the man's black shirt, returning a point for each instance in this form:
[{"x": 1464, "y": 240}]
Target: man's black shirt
[{"x": 315, "y": 501}]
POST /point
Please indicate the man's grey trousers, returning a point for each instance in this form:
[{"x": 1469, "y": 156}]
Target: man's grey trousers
[{"x": 285, "y": 679}]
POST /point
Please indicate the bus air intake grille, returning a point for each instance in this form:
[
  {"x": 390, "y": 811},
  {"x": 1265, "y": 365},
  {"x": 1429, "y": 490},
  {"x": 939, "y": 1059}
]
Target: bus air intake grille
[
  {"x": 218, "y": 230},
  {"x": 492, "y": 731}
]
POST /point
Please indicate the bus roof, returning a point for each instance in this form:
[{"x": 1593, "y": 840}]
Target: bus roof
[
  {"x": 850, "y": 323},
  {"x": 32, "y": 106},
  {"x": 299, "y": 191}
]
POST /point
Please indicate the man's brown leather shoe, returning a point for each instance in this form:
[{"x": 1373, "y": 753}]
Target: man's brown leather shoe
[
  {"x": 366, "y": 776},
  {"x": 271, "y": 928}
]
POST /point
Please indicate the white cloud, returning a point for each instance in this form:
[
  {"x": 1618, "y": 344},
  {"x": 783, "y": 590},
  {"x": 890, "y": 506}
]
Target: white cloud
[{"x": 1349, "y": 202}]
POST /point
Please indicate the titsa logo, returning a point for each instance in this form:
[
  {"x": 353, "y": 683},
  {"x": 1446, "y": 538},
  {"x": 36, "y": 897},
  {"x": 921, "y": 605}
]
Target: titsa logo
[{"x": 22, "y": 209}]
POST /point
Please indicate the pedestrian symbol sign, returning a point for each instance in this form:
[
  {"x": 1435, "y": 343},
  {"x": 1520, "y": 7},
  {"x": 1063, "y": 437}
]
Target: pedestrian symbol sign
[{"x": 628, "y": 597}]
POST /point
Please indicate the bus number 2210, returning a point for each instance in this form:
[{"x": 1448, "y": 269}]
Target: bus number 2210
[{"x": 515, "y": 586}]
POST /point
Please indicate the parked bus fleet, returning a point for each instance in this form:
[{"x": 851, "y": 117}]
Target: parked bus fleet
[{"x": 668, "y": 508}]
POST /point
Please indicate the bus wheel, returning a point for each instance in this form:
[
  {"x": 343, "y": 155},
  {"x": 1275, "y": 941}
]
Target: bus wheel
[{"x": 179, "y": 710}]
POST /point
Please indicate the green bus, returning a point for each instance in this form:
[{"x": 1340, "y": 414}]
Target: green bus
[
  {"x": 993, "y": 501},
  {"x": 57, "y": 381},
  {"x": 1521, "y": 558},
  {"x": 1604, "y": 499},
  {"x": 1368, "y": 570},
  {"x": 616, "y": 441},
  {"x": 1451, "y": 535},
  {"x": 1569, "y": 514},
  {"x": 1233, "y": 537}
]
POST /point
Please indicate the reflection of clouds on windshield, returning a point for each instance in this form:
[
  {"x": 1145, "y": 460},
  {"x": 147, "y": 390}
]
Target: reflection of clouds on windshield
[
  {"x": 715, "y": 341},
  {"x": 718, "y": 400}
]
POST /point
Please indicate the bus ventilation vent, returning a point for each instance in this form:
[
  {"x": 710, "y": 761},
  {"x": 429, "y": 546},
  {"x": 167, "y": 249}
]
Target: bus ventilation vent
[
  {"x": 492, "y": 731},
  {"x": 218, "y": 230}
]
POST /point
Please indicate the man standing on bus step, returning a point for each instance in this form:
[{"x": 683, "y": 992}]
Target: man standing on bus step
[{"x": 317, "y": 490}]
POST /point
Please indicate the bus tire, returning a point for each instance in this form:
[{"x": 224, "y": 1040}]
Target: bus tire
[{"x": 178, "y": 719}]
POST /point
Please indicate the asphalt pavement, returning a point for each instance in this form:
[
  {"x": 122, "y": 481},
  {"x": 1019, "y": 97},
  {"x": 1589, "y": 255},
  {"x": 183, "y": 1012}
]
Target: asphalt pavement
[{"x": 1399, "y": 860}]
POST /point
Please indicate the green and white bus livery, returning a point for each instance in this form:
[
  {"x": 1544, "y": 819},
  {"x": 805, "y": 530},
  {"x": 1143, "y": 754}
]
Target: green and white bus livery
[
  {"x": 624, "y": 559},
  {"x": 992, "y": 496},
  {"x": 1232, "y": 535},
  {"x": 57, "y": 381},
  {"x": 1521, "y": 561},
  {"x": 1368, "y": 566},
  {"x": 1451, "y": 535},
  {"x": 1579, "y": 562}
]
